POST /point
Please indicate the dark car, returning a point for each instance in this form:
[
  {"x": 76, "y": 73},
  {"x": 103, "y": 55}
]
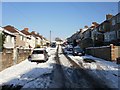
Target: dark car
[
  {"x": 53, "y": 45},
  {"x": 68, "y": 49},
  {"x": 78, "y": 52}
]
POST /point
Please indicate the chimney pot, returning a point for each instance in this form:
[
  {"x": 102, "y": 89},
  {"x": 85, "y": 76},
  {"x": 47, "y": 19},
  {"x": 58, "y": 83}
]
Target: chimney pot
[
  {"x": 95, "y": 24},
  {"x": 86, "y": 26},
  {"x": 109, "y": 16},
  {"x": 26, "y": 29}
]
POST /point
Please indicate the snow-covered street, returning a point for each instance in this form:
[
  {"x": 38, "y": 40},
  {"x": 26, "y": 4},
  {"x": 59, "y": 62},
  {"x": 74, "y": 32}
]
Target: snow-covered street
[
  {"x": 29, "y": 74},
  {"x": 105, "y": 70},
  {"x": 62, "y": 71}
]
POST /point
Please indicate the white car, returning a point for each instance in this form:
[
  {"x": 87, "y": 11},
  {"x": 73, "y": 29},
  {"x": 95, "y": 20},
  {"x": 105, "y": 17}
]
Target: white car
[{"x": 38, "y": 54}]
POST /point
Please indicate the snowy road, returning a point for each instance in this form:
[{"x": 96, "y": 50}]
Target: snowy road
[
  {"x": 29, "y": 74},
  {"x": 77, "y": 76},
  {"x": 61, "y": 71}
]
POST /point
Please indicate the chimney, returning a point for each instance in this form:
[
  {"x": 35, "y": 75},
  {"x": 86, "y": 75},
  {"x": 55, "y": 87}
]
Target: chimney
[
  {"x": 33, "y": 32},
  {"x": 109, "y": 16},
  {"x": 26, "y": 29},
  {"x": 94, "y": 24},
  {"x": 80, "y": 30},
  {"x": 37, "y": 33},
  {"x": 86, "y": 26}
]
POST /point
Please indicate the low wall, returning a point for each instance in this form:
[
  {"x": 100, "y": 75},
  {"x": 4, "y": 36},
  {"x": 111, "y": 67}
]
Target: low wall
[
  {"x": 23, "y": 54},
  {"x": 7, "y": 58},
  {"x": 110, "y": 53},
  {"x": 10, "y": 57}
]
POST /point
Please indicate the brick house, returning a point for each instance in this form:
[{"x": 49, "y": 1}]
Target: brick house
[
  {"x": 30, "y": 41},
  {"x": 75, "y": 37},
  {"x": 87, "y": 38},
  {"x": 9, "y": 41},
  {"x": 20, "y": 37},
  {"x": 38, "y": 39},
  {"x": 98, "y": 33},
  {"x": 45, "y": 41},
  {"x": 100, "y": 30},
  {"x": 112, "y": 36},
  {"x": 118, "y": 26}
]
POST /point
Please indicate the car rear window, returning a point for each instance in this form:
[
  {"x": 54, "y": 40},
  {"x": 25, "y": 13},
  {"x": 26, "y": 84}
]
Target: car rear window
[
  {"x": 37, "y": 52},
  {"x": 78, "y": 49}
]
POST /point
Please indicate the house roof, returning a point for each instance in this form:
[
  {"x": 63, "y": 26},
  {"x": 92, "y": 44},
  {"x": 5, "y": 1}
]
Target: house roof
[
  {"x": 7, "y": 32},
  {"x": 10, "y": 29},
  {"x": 45, "y": 38},
  {"x": 26, "y": 32},
  {"x": 36, "y": 34}
]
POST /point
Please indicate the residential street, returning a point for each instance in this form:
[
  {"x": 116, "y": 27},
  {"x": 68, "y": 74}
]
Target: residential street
[
  {"x": 60, "y": 71},
  {"x": 66, "y": 45}
]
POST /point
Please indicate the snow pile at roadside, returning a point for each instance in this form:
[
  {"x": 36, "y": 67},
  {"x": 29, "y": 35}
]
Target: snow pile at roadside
[
  {"x": 28, "y": 73},
  {"x": 106, "y": 70},
  {"x": 51, "y": 51},
  {"x": 63, "y": 59}
]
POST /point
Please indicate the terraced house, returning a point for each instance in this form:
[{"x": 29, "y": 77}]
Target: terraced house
[
  {"x": 20, "y": 37},
  {"x": 16, "y": 45},
  {"x": 7, "y": 39},
  {"x": 30, "y": 42},
  {"x": 106, "y": 33},
  {"x": 111, "y": 30},
  {"x": 38, "y": 39}
]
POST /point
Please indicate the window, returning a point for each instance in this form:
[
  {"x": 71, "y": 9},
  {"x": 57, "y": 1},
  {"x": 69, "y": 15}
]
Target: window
[
  {"x": 105, "y": 37},
  {"x": 113, "y": 22},
  {"x": 112, "y": 35},
  {"x": 118, "y": 34},
  {"x": 118, "y": 18},
  {"x": 99, "y": 28},
  {"x": 37, "y": 52},
  {"x": 20, "y": 37},
  {"x": 8, "y": 38},
  {"x": 24, "y": 39},
  {"x": 104, "y": 26},
  {"x": 13, "y": 39}
]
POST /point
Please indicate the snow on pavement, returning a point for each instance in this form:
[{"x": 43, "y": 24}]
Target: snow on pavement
[
  {"x": 106, "y": 70},
  {"x": 28, "y": 73}
]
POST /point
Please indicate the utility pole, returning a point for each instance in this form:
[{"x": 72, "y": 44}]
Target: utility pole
[
  {"x": 119, "y": 7},
  {"x": 50, "y": 37}
]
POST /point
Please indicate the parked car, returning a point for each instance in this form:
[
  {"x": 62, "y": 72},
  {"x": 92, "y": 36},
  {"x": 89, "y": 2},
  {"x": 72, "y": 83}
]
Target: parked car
[
  {"x": 77, "y": 51},
  {"x": 38, "y": 54},
  {"x": 53, "y": 44},
  {"x": 68, "y": 50}
]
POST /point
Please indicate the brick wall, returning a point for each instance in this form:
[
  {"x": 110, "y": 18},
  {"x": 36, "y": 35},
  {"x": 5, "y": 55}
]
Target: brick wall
[
  {"x": 0, "y": 61},
  {"x": 22, "y": 54},
  {"x": 7, "y": 57},
  {"x": 110, "y": 53}
]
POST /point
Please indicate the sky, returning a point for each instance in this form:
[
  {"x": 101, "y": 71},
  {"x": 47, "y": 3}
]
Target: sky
[{"x": 61, "y": 18}]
